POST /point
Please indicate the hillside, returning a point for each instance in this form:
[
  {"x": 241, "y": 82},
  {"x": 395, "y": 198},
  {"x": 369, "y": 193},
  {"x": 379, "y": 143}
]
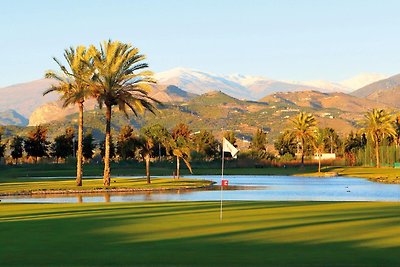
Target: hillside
[
  {"x": 26, "y": 97},
  {"x": 53, "y": 111},
  {"x": 11, "y": 117},
  {"x": 178, "y": 85},
  {"x": 318, "y": 101},
  {"x": 378, "y": 87},
  {"x": 218, "y": 112}
]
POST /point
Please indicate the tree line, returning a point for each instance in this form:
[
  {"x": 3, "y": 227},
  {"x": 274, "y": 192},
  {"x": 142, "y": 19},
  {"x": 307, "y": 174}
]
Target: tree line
[
  {"x": 379, "y": 128},
  {"x": 303, "y": 138}
]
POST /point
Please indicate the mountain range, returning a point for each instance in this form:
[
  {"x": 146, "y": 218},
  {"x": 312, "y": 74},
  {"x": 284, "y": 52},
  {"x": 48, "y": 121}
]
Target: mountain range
[
  {"x": 255, "y": 87},
  {"x": 182, "y": 84}
]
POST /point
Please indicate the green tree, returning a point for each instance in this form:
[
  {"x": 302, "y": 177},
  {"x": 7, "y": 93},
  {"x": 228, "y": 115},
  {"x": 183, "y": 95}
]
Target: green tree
[
  {"x": 332, "y": 141},
  {"x": 36, "y": 144},
  {"x": 286, "y": 143},
  {"x": 117, "y": 82},
  {"x": 180, "y": 145},
  {"x": 352, "y": 144},
  {"x": 205, "y": 144},
  {"x": 126, "y": 143},
  {"x": 63, "y": 145},
  {"x": 319, "y": 145},
  {"x": 2, "y": 147},
  {"x": 303, "y": 129},
  {"x": 60, "y": 148},
  {"x": 88, "y": 146},
  {"x": 145, "y": 145},
  {"x": 259, "y": 141},
  {"x": 17, "y": 148},
  {"x": 160, "y": 136},
  {"x": 230, "y": 136},
  {"x": 74, "y": 88},
  {"x": 379, "y": 124}
]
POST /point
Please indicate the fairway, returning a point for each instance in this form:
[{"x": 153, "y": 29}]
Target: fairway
[{"x": 190, "y": 234}]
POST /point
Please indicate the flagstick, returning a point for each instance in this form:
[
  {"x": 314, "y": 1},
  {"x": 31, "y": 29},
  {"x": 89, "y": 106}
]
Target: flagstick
[{"x": 222, "y": 177}]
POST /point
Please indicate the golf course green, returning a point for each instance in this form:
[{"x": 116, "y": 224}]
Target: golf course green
[{"x": 191, "y": 234}]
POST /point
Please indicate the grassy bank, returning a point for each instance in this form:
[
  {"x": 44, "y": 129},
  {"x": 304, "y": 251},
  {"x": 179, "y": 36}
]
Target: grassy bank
[
  {"x": 190, "y": 234},
  {"x": 52, "y": 186},
  {"x": 385, "y": 175},
  {"x": 382, "y": 175}
]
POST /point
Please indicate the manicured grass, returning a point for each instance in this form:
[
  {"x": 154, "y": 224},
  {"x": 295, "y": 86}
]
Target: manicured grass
[
  {"x": 190, "y": 234},
  {"x": 28, "y": 186},
  {"x": 383, "y": 175},
  {"x": 157, "y": 169}
]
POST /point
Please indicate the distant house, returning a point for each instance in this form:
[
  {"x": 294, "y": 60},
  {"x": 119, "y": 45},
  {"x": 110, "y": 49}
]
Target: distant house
[{"x": 325, "y": 156}]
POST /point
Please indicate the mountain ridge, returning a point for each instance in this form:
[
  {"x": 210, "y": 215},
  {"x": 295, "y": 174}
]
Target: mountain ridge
[{"x": 175, "y": 85}]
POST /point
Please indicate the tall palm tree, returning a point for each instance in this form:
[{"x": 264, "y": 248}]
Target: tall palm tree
[
  {"x": 74, "y": 89},
  {"x": 303, "y": 128},
  {"x": 319, "y": 145},
  {"x": 379, "y": 124},
  {"x": 180, "y": 145},
  {"x": 117, "y": 82},
  {"x": 145, "y": 145}
]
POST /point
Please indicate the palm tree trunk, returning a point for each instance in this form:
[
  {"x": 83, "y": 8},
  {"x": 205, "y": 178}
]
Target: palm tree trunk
[
  {"x": 159, "y": 151},
  {"x": 302, "y": 154},
  {"x": 147, "y": 160},
  {"x": 177, "y": 167},
  {"x": 319, "y": 162},
  {"x": 106, "y": 176},
  {"x": 79, "y": 152},
  {"x": 377, "y": 153}
]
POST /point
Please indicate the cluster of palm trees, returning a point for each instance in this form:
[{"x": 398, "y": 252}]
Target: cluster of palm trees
[
  {"x": 115, "y": 75},
  {"x": 379, "y": 124}
]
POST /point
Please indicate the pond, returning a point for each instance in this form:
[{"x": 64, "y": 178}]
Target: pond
[{"x": 279, "y": 188}]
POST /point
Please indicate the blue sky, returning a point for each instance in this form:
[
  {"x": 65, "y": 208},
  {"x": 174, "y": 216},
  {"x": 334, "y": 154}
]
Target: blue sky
[{"x": 288, "y": 40}]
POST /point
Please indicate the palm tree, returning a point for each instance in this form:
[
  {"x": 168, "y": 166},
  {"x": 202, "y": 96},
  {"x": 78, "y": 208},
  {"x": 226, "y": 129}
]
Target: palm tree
[
  {"x": 145, "y": 144},
  {"x": 180, "y": 145},
  {"x": 160, "y": 136},
  {"x": 379, "y": 124},
  {"x": 304, "y": 126},
  {"x": 319, "y": 146},
  {"x": 117, "y": 83},
  {"x": 74, "y": 90}
]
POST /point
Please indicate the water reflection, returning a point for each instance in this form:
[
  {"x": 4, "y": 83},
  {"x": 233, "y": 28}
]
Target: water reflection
[{"x": 281, "y": 188}]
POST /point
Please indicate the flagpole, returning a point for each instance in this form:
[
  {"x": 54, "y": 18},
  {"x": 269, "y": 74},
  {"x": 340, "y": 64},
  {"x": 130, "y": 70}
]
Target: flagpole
[{"x": 222, "y": 177}]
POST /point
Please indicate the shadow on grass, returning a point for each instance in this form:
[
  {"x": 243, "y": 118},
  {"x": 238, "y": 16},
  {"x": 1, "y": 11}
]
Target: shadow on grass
[{"x": 190, "y": 234}]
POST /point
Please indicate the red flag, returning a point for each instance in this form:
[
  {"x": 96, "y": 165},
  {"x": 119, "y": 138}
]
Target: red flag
[{"x": 224, "y": 182}]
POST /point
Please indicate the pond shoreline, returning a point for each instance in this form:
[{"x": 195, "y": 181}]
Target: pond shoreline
[
  {"x": 101, "y": 190},
  {"x": 211, "y": 187}
]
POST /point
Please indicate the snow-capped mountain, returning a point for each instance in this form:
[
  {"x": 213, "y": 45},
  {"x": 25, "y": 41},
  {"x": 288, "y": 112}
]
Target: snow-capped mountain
[
  {"x": 363, "y": 79},
  {"x": 241, "y": 86},
  {"x": 199, "y": 82}
]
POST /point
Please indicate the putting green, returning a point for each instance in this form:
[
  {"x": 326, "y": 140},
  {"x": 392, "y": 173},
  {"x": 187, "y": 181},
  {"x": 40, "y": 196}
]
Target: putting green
[{"x": 191, "y": 234}]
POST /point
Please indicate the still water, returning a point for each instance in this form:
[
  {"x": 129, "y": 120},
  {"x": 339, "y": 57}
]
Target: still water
[{"x": 281, "y": 188}]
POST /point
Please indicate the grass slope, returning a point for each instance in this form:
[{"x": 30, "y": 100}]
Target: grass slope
[
  {"x": 7, "y": 173},
  {"x": 32, "y": 186},
  {"x": 190, "y": 234}
]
